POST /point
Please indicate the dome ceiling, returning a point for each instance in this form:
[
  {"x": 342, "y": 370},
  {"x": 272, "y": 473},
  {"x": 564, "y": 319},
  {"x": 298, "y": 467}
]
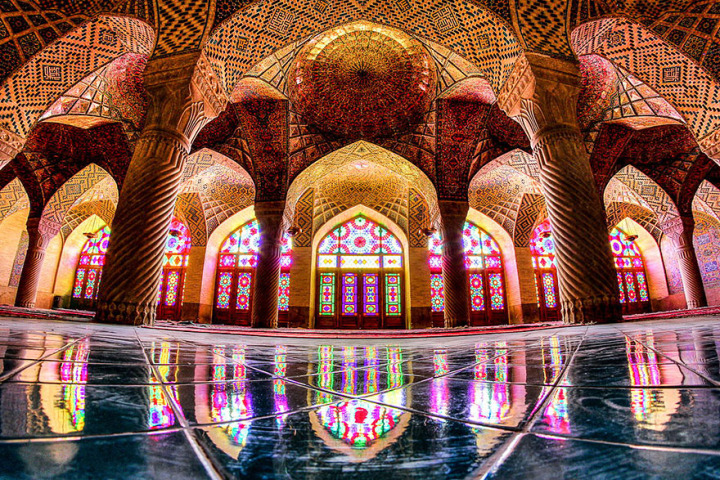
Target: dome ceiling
[{"x": 362, "y": 81}]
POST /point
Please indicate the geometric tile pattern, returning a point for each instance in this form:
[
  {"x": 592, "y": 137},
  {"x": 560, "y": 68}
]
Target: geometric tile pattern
[
  {"x": 362, "y": 156},
  {"x": 706, "y": 240},
  {"x": 66, "y": 196},
  {"x": 694, "y": 32},
  {"x": 531, "y": 212},
  {"x": 27, "y": 29},
  {"x": 189, "y": 209},
  {"x": 658, "y": 201},
  {"x": 39, "y": 82},
  {"x": 13, "y": 199},
  {"x": 670, "y": 73},
  {"x": 475, "y": 34},
  {"x": 418, "y": 219},
  {"x": 104, "y": 209},
  {"x": 366, "y": 183},
  {"x": 115, "y": 92},
  {"x": 304, "y": 219},
  {"x": 19, "y": 261},
  {"x": 500, "y": 192},
  {"x": 616, "y": 212},
  {"x": 672, "y": 269}
]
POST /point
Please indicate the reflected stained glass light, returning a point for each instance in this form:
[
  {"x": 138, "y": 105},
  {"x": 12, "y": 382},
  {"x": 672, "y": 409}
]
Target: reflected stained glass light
[
  {"x": 357, "y": 423},
  {"x": 484, "y": 263},
  {"x": 230, "y": 399},
  {"x": 632, "y": 281}
]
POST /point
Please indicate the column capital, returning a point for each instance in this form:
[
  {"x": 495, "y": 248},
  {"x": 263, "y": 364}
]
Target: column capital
[
  {"x": 541, "y": 94},
  {"x": 41, "y": 230},
  {"x": 10, "y": 145},
  {"x": 453, "y": 208},
  {"x": 679, "y": 229},
  {"x": 185, "y": 94}
]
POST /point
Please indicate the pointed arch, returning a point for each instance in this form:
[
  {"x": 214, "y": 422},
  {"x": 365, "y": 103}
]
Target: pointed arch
[{"x": 381, "y": 220}]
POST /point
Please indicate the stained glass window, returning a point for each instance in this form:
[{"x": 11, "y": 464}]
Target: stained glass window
[
  {"x": 172, "y": 281},
  {"x": 483, "y": 260},
  {"x": 237, "y": 260},
  {"x": 631, "y": 277},
  {"x": 88, "y": 273},
  {"x": 368, "y": 260},
  {"x": 542, "y": 248}
]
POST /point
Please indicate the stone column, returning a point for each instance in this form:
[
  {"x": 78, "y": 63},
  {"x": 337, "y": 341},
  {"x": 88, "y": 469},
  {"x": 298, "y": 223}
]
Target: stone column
[
  {"x": 680, "y": 230},
  {"x": 455, "y": 278},
  {"x": 269, "y": 216},
  {"x": 541, "y": 94},
  {"x": 39, "y": 237},
  {"x": 182, "y": 101}
]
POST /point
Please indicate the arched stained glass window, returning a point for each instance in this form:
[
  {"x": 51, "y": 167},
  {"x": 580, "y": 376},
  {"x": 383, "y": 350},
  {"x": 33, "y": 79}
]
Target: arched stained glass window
[
  {"x": 542, "y": 248},
  {"x": 172, "y": 281},
  {"x": 631, "y": 277},
  {"x": 89, "y": 269},
  {"x": 360, "y": 277},
  {"x": 483, "y": 260},
  {"x": 236, "y": 270}
]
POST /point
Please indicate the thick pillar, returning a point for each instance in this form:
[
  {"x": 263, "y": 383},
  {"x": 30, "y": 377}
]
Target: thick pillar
[
  {"x": 180, "y": 104},
  {"x": 269, "y": 216},
  {"x": 680, "y": 230},
  {"x": 39, "y": 237},
  {"x": 455, "y": 278},
  {"x": 541, "y": 94}
]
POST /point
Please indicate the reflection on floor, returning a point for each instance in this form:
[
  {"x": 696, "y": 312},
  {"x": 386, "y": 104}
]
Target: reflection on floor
[{"x": 625, "y": 401}]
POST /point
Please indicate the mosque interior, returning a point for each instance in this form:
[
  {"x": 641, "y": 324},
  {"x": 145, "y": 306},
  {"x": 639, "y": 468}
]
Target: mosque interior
[{"x": 324, "y": 238}]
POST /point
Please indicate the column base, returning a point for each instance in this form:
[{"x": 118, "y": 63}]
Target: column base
[
  {"x": 696, "y": 304},
  {"x": 25, "y": 304},
  {"x": 125, "y": 313},
  {"x": 591, "y": 310}
]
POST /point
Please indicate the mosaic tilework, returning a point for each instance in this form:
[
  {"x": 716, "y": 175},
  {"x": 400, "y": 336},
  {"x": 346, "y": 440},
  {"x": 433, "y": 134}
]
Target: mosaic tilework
[
  {"x": 361, "y": 153},
  {"x": 25, "y": 29},
  {"x": 25, "y": 96},
  {"x": 616, "y": 212},
  {"x": 655, "y": 197},
  {"x": 532, "y": 210},
  {"x": 105, "y": 209},
  {"x": 672, "y": 270},
  {"x": 367, "y": 183},
  {"x": 19, "y": 260},
  {"x": 694, "y": 32},
  {"x": 709, "y": 195},
  {"x": 65, "y": 197},
  {"x": 13, "y": 199},
  {"x": 183, "y": 25},
  {"x": 499, "y": 194},
  {"x": 304, "y": 219},
  {"x": 706, "y": 240},
  {"x": 418, "y": 219},
  {"x": 460, "y": 127},
  {"x": 189, "y": 210},
  {"x": 114, "y": 91},
  {"x": 633, "y": 47},
  {"x": 477, "y": 36}
]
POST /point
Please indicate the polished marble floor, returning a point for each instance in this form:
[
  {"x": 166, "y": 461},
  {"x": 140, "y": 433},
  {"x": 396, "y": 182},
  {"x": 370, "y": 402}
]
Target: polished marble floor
[{"x": 628, "y": 401}]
